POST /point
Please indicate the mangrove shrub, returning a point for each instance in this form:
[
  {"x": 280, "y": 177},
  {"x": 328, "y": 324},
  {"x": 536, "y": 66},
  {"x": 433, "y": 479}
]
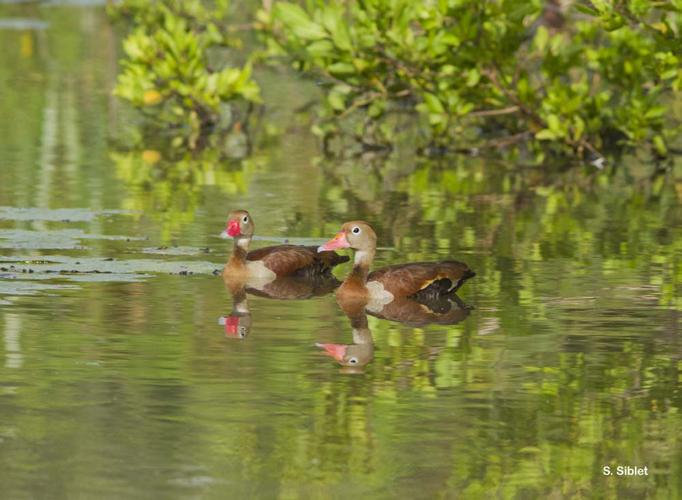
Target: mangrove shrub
[
  {"x": 578, "y": 78},
  {"x": 174, "y": 69}
]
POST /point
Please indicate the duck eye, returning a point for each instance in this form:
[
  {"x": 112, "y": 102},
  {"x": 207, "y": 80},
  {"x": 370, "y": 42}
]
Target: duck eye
[
  {"x": 353, "y": 361},
  {"x": 245, "y": 219},
  {"x": 356, "y": 230}
]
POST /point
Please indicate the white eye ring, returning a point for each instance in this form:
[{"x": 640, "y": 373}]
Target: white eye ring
[
  {"x": 356, "y": 230},
  {"x": 245, "y": 219},
  {"x": 353, "y": 360}
]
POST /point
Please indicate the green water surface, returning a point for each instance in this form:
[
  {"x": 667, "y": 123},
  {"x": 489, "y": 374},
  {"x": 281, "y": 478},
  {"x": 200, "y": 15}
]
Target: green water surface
[{"x": 123, "y": 384}]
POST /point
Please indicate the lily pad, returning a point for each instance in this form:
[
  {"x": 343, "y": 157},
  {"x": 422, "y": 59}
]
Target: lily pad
[
  {"x": 106, "y": 277},
  {"x": 58, "y": 214},
  {"x": 59, "y": 239},
  {"x": 176, "y": 250},
  {"x": 19, "y": 276},
  {"x": 65, "y": 265}
]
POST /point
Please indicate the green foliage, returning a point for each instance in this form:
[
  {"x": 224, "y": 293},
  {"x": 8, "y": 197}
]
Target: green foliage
[
  {"x": 168, "y": 71},
  {"x": 595, "y": 78}
]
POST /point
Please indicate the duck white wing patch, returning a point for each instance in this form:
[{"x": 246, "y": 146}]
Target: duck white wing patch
[
  {"x": 256, "y": 269},
  {"x": 378, "y": 296}
]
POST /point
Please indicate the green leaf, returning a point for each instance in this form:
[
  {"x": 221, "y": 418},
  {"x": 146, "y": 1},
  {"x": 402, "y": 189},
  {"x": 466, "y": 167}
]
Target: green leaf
[
  {"x": 553, "y": 123},
  {"x": 545, "y": 135},
  {"x": 655, "y": 112},
  {"x": 336, "y": 100},
  {"x": 541, "y": 38},
  {"x": 586, "y": 9},
  {"x": 377, "y": 108},
  {"x": 473, "y": 77},
  {"x": 659, "y": 145},
  {"x": 360, "y": 64},
  {"x": 298, "y": 21},
  {"x": 433, "y": 104},
  {"x": 341, "y": 68},
  {"x": 332, "y": 19},
  {"x": 342, "y": 38},
  {"x": 321, "y": 48}
]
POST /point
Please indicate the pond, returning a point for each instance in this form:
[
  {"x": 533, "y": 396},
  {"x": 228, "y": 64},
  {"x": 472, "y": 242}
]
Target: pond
[{"x": 127, "y": 369}]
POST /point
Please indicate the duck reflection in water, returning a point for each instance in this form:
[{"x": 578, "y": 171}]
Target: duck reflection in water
[
  {"x": 416, "y": 312},
  {"x": 352, "y": 357},
  {"x": 238, "y": 323}
]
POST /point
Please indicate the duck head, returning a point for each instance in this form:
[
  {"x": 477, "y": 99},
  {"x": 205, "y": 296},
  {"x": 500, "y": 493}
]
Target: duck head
[
  {"x": 357, "y": 235},
  {"x": 239, "y": 225}
]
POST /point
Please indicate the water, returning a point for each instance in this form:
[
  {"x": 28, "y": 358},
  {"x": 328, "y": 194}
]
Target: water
[{"x": 123, "y": 382}]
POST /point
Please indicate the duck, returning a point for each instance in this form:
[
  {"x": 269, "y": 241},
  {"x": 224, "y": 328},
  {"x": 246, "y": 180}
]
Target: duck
[
  {"x": 268, "y": 263},
  {"x": 383, "y": 286}
]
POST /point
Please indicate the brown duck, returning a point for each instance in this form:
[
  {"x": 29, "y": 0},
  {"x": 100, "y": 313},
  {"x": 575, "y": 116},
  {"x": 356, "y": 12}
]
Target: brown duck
[
  {"x": 381, "y": 287},
  {"x": 270, "y": 262}
]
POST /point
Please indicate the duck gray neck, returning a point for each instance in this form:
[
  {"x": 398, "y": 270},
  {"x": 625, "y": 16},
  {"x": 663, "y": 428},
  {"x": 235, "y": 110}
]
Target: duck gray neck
[
  {"x": 241, "y": 248},
  {"x": 362, "y": 262}
]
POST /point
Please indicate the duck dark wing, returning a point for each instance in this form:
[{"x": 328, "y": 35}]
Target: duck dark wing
[
  {"x": 329, "y": 259},
  {"x": 285, "y": 260},
  {"x": 422, "y": 278}
]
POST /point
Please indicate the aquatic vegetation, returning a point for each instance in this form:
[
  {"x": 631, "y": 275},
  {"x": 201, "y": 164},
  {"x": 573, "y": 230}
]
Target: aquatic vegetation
[
  {"x": 56, "y": 239},
  {"x": 56, "y": 214},
  {"x": 590, "y": 79},
  {"x": 30, "y": 266},
  {"x": 170, "y": 72},
  {"x": 111, "y": 269}
]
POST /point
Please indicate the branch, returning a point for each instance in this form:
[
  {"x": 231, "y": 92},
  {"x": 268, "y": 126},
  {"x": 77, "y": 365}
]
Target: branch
[{"x": 495, "y": 112}]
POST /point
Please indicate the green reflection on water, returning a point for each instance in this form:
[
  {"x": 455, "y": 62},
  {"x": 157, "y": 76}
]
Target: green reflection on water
[{"x": 569, "y": 361}]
